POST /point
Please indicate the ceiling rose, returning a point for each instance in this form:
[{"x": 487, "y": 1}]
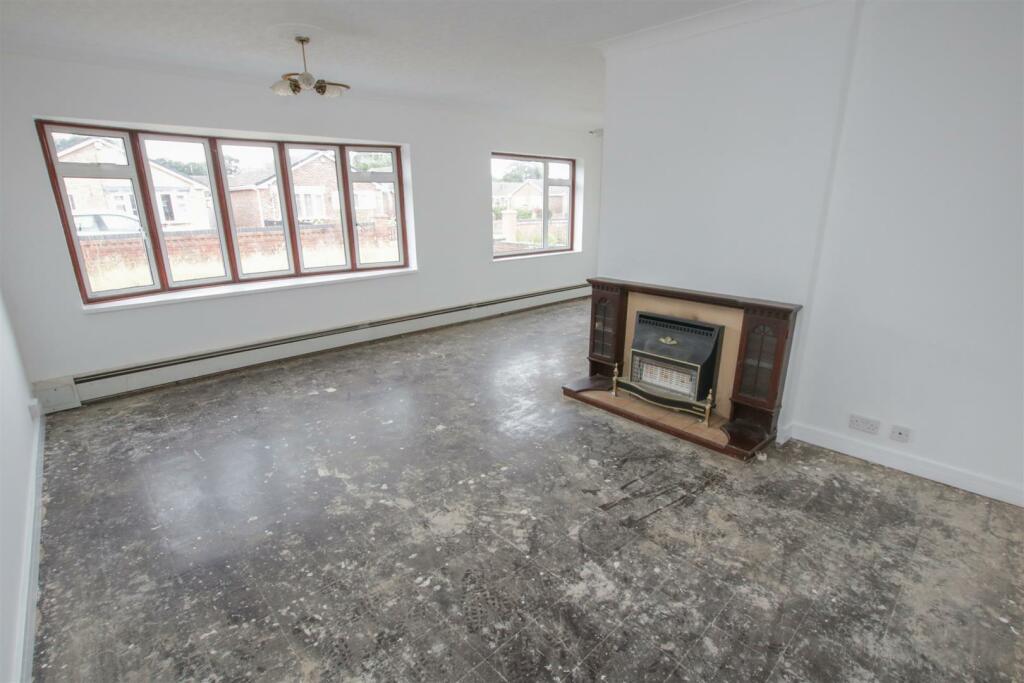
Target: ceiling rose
[{"x": 294, "y": 83}]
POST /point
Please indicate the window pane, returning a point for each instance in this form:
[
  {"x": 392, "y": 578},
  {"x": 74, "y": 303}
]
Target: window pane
[
  {"x": 106, "y": 219},
  {"x": 376, "y": 222},
  {"x": 256, "y": 208},
  {"x": 372, "y": 162},
  {"x": 318, "y": 200},
  {"x": 559, "y": 170},
  {"x": 517, "y": 202},
  {"x": 72, "y": 148},
  {"x": 558, "y": 216},
  {"x": 184, "y": 203}
]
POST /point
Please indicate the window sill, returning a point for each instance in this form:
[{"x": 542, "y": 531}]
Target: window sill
[
  {"x": 538, "y": 254},
  {"x": 239, "y": 289}
]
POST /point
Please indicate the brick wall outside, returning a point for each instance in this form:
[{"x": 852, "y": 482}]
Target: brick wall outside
[
  {"x": 245, "y": 208},
  {"x": 111, "y": 252}
]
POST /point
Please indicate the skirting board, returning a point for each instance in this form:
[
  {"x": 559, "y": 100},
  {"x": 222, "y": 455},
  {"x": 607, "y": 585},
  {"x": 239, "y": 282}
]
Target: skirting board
[
  {"x": 784, "y": 434},
  {"x": 905, "y": 462},
  {"x": 26, "y": 616},
  {"x": 127, "y": 380}
]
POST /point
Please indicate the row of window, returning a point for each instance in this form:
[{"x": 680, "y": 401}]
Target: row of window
[
  {"x": 149, "y": 212},
  {"x": 152, "y": 212}
]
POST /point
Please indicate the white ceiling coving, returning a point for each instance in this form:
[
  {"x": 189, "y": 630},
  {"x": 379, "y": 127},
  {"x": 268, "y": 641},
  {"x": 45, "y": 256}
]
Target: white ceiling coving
[{"x": 528, "y": 58}]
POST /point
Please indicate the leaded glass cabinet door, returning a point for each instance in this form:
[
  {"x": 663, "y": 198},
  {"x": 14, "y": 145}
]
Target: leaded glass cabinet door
[
  {"x": 602, "y": 338},
  {"x": 604, "y": 324},
  {"x": 760, "y": 360}
]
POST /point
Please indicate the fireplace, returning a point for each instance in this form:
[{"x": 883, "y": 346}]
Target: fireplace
[
  {"x": 673, "y": 363},
  {"x": 667, "y": 357}
]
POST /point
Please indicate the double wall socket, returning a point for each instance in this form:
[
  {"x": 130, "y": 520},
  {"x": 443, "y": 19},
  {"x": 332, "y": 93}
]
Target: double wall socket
[{"x": 864, "y": 424}]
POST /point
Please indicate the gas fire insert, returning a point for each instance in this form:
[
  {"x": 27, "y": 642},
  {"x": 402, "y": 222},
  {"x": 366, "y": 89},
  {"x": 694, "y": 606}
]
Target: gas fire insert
[{"x": 674, "y": 363}]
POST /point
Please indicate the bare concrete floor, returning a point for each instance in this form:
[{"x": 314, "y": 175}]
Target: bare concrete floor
[{"x": 430, "y": 508}]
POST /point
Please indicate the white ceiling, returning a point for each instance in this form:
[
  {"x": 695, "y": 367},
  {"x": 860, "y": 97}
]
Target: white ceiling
[{"x": 531, "y": 58}]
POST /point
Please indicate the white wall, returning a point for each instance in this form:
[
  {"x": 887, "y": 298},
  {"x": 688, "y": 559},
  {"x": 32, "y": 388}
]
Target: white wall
[
  {"x": 717, "y": 149},
  {"x": 917, "y": 315},
  {"x": 448, "y": 150},
  {"x": 862, "y": 160},
  {"x": 19, "y": 443}
]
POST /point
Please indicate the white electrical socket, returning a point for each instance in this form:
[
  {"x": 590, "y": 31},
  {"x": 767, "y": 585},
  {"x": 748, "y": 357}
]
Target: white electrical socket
[
  {"x": 864, "y": 424},
  {"x": 901, "y": 434}
]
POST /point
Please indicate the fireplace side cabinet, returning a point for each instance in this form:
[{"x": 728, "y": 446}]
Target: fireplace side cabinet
[
  {"x": 761, "y": 363},
  {"x": 607, "y": 328},
  {"x": 761, "y": 370}
]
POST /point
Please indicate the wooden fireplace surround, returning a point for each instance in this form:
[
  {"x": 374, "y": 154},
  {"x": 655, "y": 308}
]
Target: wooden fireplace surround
[{"x": 752, "y": 370}]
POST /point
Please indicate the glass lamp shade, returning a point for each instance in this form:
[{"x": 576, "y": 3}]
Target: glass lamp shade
[
  {"x": 332, "y": 91},
  {"x": 327, "y": 89},
  {"x": 283, "y": 88},
  {"x": 306, "y": 80}
]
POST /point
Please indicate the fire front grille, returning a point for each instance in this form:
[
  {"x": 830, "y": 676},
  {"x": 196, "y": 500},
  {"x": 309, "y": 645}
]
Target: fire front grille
[{"x": 673, "y": 378}]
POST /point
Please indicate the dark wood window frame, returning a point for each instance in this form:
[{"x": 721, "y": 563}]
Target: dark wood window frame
[
  {"x": 138, "y": 172},
  {"x": 546, "y": 183}
]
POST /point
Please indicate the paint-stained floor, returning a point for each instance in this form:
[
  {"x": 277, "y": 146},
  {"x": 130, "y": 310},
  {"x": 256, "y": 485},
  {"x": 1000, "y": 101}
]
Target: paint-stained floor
[{"x": 430, "y": 508}]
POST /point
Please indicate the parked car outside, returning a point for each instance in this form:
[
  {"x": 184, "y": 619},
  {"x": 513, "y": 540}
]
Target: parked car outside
[{"x": 106, "y": 223}]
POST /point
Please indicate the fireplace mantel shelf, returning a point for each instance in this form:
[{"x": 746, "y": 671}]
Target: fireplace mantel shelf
[
  {"x": 749, "y": 379},
  {"x": 726, "y": 300}
]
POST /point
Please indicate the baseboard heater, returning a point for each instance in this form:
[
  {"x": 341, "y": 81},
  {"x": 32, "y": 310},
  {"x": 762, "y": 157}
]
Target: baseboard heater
[{"x": 98, "y": 376}]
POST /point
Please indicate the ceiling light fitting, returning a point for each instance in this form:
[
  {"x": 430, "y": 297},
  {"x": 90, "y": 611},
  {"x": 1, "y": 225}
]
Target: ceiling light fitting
[{"x": 294, "y": 83}]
